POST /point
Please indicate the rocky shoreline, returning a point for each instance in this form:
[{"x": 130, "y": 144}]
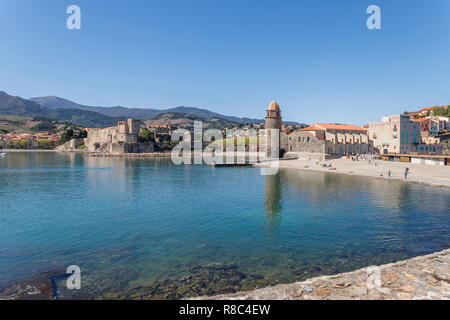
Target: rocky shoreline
[
  {"x": 420, "y": 278},
  {"x": 424, "y": 277}
]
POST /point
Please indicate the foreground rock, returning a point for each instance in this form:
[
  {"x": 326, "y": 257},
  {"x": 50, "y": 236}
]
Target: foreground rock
[
  {"x": 201, "y": 280},
  {"x": 426, "y": 277}
]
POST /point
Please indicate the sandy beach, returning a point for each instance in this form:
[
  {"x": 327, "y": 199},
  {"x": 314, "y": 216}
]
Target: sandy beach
[{"x": 438, "y": 176}]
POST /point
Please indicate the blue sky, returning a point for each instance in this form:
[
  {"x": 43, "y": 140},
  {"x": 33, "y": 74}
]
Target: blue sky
[{"x": 317, "y": 57}]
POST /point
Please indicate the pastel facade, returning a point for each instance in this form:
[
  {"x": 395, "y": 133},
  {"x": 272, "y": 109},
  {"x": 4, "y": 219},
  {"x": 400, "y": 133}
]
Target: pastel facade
[{"x": 396, "y": 134}]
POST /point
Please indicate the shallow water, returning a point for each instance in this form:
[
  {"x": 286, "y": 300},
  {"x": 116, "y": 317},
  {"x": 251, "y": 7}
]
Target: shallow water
[{"x": 138, "y": 227}]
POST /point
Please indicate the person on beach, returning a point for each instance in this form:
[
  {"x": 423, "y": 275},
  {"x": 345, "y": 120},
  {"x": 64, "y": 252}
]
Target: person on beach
[
  {"x": 389, "y": 172},
  {"x": 406, "y": 173}
]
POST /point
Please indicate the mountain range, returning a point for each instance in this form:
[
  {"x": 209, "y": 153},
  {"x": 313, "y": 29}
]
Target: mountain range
[{"x": 96, "y": 117}]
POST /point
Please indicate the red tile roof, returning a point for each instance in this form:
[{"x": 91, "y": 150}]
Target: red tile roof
[
  {"x": 331, "y": 126},
  {"x": 311, "y": 128},
  {"x": 432, "y": 108}
]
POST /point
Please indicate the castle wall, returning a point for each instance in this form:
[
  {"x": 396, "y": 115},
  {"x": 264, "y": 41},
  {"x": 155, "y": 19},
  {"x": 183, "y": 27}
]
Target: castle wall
[
  {"x": 284, "y": 144},
  {"x": 332, "y": 142},
  {"x": 104, "y": 137},
  {"x": 120, "y": 139},
  {"x": 306, "y": 142}
]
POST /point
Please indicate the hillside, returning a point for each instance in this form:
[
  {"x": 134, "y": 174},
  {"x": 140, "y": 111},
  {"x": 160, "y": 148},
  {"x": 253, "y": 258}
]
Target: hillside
[
  {"x": 186, "y": 120},
  {"x": 53, "y": 102},
  {"x": 19, "y": 125},
  {"x": 96, "y": 117},
  {"x": 12, "y": 124},
  {"x": 16, "y": 106}
]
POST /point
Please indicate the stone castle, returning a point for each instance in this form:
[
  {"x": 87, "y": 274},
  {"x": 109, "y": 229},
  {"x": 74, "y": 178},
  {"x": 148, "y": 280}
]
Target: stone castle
[
  {"x": 320, "y": 140},
  {"x": 119, "y": 139}
]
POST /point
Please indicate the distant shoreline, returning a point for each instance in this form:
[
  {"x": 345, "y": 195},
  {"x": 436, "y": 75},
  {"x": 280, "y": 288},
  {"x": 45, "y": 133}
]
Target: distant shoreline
[{"x": 26, "y": 150}]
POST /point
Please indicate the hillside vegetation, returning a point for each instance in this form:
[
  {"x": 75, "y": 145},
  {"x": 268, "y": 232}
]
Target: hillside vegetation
[
  {"x": 186, "y": 120},
  {"x": 21, "y": 125}
]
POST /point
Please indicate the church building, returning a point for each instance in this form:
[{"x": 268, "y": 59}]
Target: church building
[{"x": 320, "y": 140}]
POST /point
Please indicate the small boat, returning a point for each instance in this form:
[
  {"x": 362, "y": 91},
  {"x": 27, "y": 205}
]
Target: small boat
[{"x": 3, "y": 155}]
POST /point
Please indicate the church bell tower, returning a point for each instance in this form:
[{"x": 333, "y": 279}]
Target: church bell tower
[{"x": 273, "y": 128}]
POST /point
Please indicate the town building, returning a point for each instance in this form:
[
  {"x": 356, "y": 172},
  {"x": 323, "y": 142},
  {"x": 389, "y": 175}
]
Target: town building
[
  {"x": 28, "y": 141},
  {"x": 396, "y": 134}
]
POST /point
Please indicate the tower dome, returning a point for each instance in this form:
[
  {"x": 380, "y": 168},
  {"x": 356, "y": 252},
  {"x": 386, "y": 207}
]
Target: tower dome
[{"x": 273, "y": 106}]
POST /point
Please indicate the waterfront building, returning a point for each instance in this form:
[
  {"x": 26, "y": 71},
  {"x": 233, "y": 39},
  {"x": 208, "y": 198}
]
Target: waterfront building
[
  {"x": 27, "y": 140},
  {"x": 120, "y": 139},
  {"x": 320, "y": 140},
  {"x": 396, "y": 134},
  {"x": 330, "y": 139}
]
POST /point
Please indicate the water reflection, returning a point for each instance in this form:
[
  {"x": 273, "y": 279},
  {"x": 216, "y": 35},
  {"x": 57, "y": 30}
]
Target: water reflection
[{"x": 272, "y": 204}]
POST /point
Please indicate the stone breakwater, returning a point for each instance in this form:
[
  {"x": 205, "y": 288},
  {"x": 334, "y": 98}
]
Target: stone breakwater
[
  {"x": 421, "y": 278},
  {"x": 131, "y": 155}
]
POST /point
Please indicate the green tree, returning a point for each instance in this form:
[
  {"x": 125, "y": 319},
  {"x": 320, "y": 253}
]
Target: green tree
[
  {"x": 145, "y": 136},
  {"x": 43, "y": 143},
  {"x": 444, "y": 112},
  {"x": 81, "y": 134},
  {"x": 67, "y": 136},
  {"x": 24, "y": 144}
]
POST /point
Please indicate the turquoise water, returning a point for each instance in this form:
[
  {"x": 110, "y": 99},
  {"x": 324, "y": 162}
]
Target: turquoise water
[{"x": 139, "y": 226}]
